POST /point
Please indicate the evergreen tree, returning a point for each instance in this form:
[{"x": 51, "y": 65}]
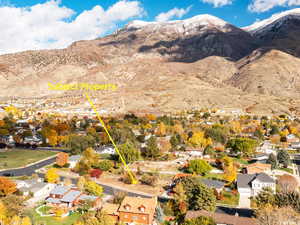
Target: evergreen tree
[
  {"x": 284, "y": 158},
  {"x": 199, "y": 196},
  {"x": 265, "y": 197},
  {"x": 129, "y": 152},
  {"x": 152, "y": 151},
  {"x": 273, "y": 161}
]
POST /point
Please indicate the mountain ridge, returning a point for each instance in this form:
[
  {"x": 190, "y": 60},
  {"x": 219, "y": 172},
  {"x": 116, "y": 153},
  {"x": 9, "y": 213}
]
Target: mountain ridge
[{"x": 168, "y": 69}]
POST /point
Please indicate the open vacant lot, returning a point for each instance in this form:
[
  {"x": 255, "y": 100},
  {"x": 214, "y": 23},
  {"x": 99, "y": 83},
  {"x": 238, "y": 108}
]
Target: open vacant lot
[{"x": 19, "y": 157}]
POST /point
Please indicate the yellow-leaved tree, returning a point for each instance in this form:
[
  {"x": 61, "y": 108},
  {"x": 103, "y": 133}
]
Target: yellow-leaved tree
[
  {"x": 161, "y": 129},
  {"x": 198, "y": 140},
  {"x": 26, "y": 221},
  {"x": 13, "y": 110},
  {"x": 3, "y": 213},
  {"x": 93, "y": 188},
  {"x": 52, "y": 176},
  {"x": 230, "y": 170},
  {"x": 15, "y": 220}
]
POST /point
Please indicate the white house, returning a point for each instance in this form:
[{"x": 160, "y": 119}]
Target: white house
[
  {"x": 295, "y": 145},
  {"x": 35, "y": 186},
  {"x": 249, "y": 185},
  {"x": 73, "y": 160},
  {"x": 106, "y": 150},
  {"x": 267, "y": 147}
]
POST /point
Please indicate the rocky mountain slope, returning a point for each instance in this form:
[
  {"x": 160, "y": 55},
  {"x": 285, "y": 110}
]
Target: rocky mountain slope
[
  {"x": 171, "y": 66},
  {"x": 281, "y": 31}
]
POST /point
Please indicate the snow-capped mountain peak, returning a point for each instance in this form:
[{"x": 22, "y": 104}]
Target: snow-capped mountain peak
[
  {"x": 204, "y": 20},
  {"x": 261, "y": 25}
]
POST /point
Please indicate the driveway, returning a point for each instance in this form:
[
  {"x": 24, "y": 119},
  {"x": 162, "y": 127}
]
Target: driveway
[{"x": 244, "y": 201}]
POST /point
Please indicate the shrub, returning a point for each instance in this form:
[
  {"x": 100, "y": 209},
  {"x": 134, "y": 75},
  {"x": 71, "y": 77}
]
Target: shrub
[
  {"x": 96, "y": 173},
  {"x": 149, "y": 179},
  {"x": 105, "y": 165}
]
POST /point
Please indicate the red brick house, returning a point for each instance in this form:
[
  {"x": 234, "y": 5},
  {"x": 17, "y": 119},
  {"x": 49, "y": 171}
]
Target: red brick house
[{"x": 135, "y": 210}]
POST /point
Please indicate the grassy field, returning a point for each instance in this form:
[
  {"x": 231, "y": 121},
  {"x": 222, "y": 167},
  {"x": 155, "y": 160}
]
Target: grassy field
[
  {"x": 229, "y": 199},
  {"x": 18, "y": 158},
  {"x": 69, "y": 220}
]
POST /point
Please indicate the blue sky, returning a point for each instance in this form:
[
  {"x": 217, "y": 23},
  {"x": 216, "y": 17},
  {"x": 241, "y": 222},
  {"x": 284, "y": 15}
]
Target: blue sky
[
  {"x": 39, "y": 24},
  {"x": 236, "y": 13}
]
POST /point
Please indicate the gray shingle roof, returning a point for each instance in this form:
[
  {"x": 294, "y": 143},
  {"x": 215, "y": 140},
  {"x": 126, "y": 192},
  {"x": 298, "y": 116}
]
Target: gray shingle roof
[
  {"x": 53, "y": 200},
  {"x": 74, "y": 158},
  {"x": 71, "y": 196},
  {"x": 87, "y": 197},
  {"x": 265, "y": 178},
  {"x": 60, "y": 190},
  {"x": 213, "y": 183},
  {"x": 245, "y": 180}
]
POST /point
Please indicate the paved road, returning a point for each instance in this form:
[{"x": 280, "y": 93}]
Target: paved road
[{"x": 29, "y": 170}]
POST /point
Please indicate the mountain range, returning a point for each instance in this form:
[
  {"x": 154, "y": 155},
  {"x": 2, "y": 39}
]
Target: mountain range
[{"x": 171, "y": 66}]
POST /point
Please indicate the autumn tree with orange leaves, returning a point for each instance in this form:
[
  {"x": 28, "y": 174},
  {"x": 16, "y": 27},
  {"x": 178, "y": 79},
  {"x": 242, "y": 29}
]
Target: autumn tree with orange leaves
[{"x": 7, "y": 186}]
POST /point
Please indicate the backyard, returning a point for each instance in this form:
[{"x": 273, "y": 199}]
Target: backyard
[
  {"x": 51, "y": 220},
  {"x": 229, "y": 198},
  {"x": 17, "y": 157}
]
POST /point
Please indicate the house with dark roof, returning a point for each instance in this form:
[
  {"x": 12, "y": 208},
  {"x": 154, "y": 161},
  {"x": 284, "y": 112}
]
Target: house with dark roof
[
  {"x": 222, "y": 219},
  {"x": 249, "y": 185},
  {"x": 214, "y": 184}
]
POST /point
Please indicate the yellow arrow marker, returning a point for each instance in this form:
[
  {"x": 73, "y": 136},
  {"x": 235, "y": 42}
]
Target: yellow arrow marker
[{"x": 133, "y": 180}]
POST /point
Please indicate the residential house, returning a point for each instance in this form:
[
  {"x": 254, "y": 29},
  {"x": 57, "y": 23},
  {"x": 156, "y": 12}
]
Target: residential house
[
  {"x": 290, "y": 138},
  {"x": 261, "y": 157},
  {"x": 112, "y": 211},
  {"x": 249, "y": 185},
  {"x": 221, "y": 218},
  {"x": 73, "y": 160},
  {"x": 36, "y": 187},
  {"x": 214, "y": 184},
  {"x": 69, "y": 197},
  {"x": 193, "y": 152},
  {"x": 258, "y": 167},
  {"x": 295, "y": 145},
  {"x": 133, "y": 210},
  {"x": 106, "y": 150},
  {"x": 267, "y": 147},
  {"x": 137, "y": 210}
]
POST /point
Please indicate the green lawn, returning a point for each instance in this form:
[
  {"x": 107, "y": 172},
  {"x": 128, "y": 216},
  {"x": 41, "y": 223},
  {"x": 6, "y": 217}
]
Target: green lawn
[
  {"x": 18, "y": 158},
  {"x": 218, "y": 176},
  {"x": 69, "y": 220},
  {"x": 229, "y": 199},
  {"x": 289, "y": 170},
  {"x": 241, "y": 161}
]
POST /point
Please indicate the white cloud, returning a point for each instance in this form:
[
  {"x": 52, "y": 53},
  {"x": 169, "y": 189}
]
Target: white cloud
[
  {"x": 51, "y": 25},
  {"x": 178, "y": 13},
  {"x": 265, "y": 5},
  {"x": 218, "y": 3}
]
